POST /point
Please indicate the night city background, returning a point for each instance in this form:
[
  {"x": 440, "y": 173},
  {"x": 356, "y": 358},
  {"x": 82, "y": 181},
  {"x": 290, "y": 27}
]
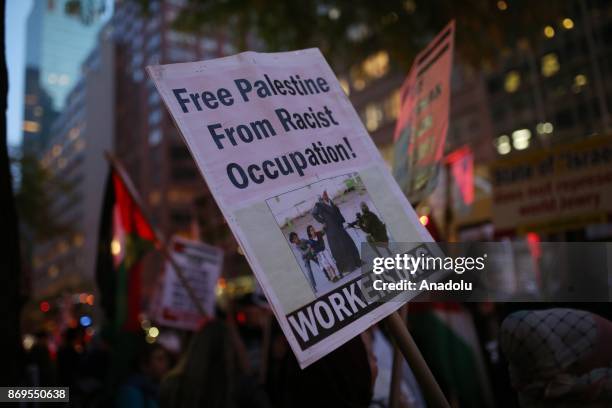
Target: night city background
[{"x": 529, "y": 80}]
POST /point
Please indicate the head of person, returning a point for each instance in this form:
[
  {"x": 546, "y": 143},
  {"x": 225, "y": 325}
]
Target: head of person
[
  {"x": 207, "y": 373},
  {"x": 154, "y": 361},
  {"x": 312, "y": 234},
  {"x": 364, "y": 207},
  {"x": 293, "y": 238}
]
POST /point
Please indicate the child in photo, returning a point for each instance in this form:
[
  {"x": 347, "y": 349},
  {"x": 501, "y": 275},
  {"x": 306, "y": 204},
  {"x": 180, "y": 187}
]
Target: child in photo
[
  {"x": 325, "y": 261},
  {"x": 308, "y": 255}
]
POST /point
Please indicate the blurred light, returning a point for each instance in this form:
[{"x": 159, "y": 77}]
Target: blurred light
[
  {"x": 549, "y": 32},
  {"x": 90, "y": 299},
  {"x": 345, "y": 86},
  {"x": 85, "y": 321},
  {"x": 28, "y": 342},
  {"x": 550, "y": 65},
  {"x": 520, "y": 139},
  {"x": 83, "y": 298},
  {"x": 79, "y": 240},
  {"x": 580, "y": 80},
  {"x": 376, "y": 65},
  {"x": 150, "y": 339},
  {"x": 502, "y": 5},
  {"x": 544, "y": 128},
  {"x": 115, "y": 247},
  {"x": 153, "y": 331},
  {"x": 568, "y": 23},
  {"x": 512, "y": 81},
  {"x": 359, "y": 84},
  {"x": 424, "y": 220},
  {"x": 241, "y": 318},
  {"x": 373, "y": 116},
  {"x": 45, "y": 306},
  {"x": 31, "y": 126},
  {"x": 334, "y": 13},
  {"x": 503, "y": 144}
]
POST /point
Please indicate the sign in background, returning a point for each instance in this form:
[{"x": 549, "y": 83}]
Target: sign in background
[
  {"x": 566, "y": 187},
  {"x": 202, "y": 265},
  {"x": 422, "y": 124}
]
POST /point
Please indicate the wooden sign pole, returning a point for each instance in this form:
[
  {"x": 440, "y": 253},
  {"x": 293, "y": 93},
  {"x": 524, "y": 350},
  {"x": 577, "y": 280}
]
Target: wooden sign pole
[{"x": 433, "y": 393}]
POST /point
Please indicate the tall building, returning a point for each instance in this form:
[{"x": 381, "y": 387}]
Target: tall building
[
  {"x": 60, "y": 34},
  {"x": 75, "y": 155},
  {"x": 558, "y": 88},
  {"x": 146, "y": 139}
]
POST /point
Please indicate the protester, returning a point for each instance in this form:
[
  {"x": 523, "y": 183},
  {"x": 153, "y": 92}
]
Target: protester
[
  {"x": 141, "y": 389},
  {"x": 559, "y": 357},
  {"x": 69, "y": 358},
  {"x": 324, "y": 259},
  {"x": 40, "y": 366},
  {"x": 344, "y": 378},
  {"x": 213, "y": 373},
  {"x": 341, "y": 244}
]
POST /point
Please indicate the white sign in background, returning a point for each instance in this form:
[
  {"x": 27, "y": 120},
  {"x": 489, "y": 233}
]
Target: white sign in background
[{"x": 202, "y": 265}]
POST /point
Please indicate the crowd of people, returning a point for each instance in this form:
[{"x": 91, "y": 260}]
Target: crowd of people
[{"x": 550, "y": 357}]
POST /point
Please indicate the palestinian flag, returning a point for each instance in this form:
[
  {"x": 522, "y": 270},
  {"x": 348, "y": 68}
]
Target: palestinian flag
[
  {"x": 446, "y": 335},
  {"x": 125, "y": 237}
]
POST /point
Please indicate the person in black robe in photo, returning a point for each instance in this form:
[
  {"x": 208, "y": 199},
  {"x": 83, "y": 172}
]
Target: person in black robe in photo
[{"x": 341, "y": 244}]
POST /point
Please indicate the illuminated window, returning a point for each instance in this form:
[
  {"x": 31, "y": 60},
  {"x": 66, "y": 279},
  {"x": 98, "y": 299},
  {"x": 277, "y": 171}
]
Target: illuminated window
[
  {"x": 180, "y": 196},
  {"x": 373, "y": 117},
  {"x": 544, "y": 128},
  {"x": 580, "y": 81},
  {"x": 31, "y": 126},
  {"x": 521, "y": 138},
  {"x": 377, "y": 65},
  {"x": 512, "y": 81},
  {"x": 567, "y": 23},
  {"x": 79, "y": 240},
  {"x": 550, "y": 65},
  {"x": 345, "y": 86},
  {"x": 502, "y": 5},
  {"x": 503, "y": 144},
  {"x": 549, "y": 32},
  {"x": 155, "y": 136},
  {"x": 392, "y": 105}
]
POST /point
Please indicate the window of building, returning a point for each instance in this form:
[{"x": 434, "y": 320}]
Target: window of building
[
  {"x": 373, "y": 116},
  {"x": 512, "y": 81},
  {"x": 155, "y": 137},
  {"x": 521, "y": 139},
  {"x": 550, "y": 65},
  {"x": 155, "y": 117},
  {"x": 503, "y": 144}
]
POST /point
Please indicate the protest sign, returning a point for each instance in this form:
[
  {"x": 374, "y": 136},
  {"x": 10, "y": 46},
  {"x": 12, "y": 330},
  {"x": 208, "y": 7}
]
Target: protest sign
[
  {"x": 295, "y": 173},
  {"x": 201, "y": 265},
  {"x": 422, "y": 123}
]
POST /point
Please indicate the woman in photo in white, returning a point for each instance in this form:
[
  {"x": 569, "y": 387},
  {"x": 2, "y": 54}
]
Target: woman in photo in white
[{"x": 317, "y": 243}]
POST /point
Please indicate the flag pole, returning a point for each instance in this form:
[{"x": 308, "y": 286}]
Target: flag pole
[
  {"x": 116, "y": 164},
  {"x": 433, "y": 393}
]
